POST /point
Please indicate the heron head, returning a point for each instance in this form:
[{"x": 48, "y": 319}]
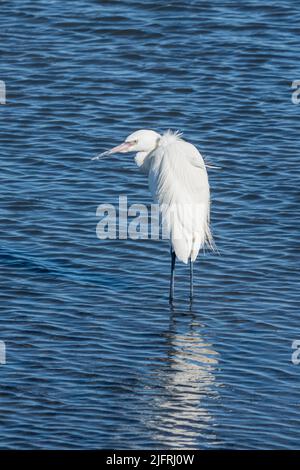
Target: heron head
[
  {"x": 139, "y": 141},
  {"x": 142, "y": 141}
]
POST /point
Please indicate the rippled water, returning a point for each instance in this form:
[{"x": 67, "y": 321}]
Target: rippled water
[{"x": 95, "y": 356}]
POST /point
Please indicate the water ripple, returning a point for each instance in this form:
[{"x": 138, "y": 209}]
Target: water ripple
[{"x": 95, "y": 356}]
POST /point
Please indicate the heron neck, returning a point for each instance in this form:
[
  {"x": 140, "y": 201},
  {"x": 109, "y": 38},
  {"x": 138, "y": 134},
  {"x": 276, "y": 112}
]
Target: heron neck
[{"x": 140, "y": 158}]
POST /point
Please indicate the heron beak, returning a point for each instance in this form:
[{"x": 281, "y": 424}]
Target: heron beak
[{"x": 122, "y": 148}]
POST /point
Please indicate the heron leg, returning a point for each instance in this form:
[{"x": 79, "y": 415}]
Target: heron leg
[
  {"x": 173, "y": 259},
  {"x": 191, "y": 281}
]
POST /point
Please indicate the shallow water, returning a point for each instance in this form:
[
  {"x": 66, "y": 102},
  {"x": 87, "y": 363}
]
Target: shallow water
[{"x": 95, "y": 356}]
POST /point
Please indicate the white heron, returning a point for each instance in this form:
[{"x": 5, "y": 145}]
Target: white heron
[{"x": 178, "y": 182}]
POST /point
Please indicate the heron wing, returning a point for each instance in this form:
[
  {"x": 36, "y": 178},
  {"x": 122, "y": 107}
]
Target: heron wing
[{"x": 179, "y": 184}]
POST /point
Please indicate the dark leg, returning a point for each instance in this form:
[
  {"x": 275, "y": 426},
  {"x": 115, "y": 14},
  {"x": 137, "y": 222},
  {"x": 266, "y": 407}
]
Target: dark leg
[
  {"x": 173, "y": 259},
  {"x": 191, "y": 281}
]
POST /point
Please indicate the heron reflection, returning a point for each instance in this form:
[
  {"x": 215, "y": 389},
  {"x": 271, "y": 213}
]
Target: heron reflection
[{"x": 185, "y": 384}]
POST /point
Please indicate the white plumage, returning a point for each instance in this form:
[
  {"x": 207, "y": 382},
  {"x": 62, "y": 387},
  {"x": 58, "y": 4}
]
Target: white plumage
[{"x": 179, "y": 184}]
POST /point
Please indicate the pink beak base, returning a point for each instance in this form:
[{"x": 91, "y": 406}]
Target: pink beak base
[{"x": 122, "y": 148}]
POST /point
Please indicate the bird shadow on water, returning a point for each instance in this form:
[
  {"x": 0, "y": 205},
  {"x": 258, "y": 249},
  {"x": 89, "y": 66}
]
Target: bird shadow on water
[{"x": 183, "y": 385}]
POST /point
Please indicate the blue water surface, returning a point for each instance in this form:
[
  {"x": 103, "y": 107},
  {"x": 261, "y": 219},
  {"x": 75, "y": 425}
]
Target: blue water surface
[{"x": 95, "y": 356}]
